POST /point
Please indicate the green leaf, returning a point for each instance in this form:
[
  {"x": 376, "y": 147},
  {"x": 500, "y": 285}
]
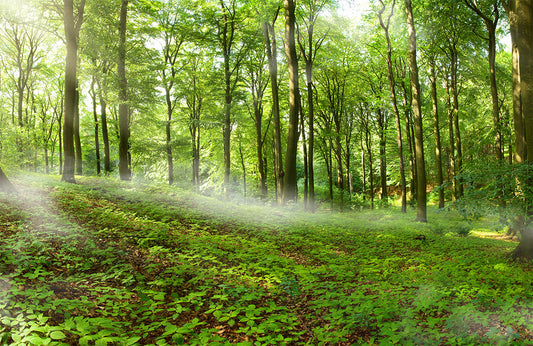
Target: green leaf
[
  {"x": 132, "y": 341},
  {"x": 57, "y": 335}
]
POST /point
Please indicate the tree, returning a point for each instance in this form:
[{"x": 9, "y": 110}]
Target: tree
[
  {"x": 271, "y": 50},
  {"x": 392, "y": 85},
  {"x": 520, "y": 14},
  {"x": 438, "y": 146},
  {"x": 491, "y": 24},
  {"x": 421, "y": 213},
  {"x": 309, "y": 51},
  {"x": 23, "y": 44},
  {"x": 174, "y": 37},
  {"x": 72, "y": 25},
  {"x": 290, "y": 189},
  {"x": 124, "y": 109},
  {"x": 257, "y": 83},
  {"x": 227, "y": 29}
]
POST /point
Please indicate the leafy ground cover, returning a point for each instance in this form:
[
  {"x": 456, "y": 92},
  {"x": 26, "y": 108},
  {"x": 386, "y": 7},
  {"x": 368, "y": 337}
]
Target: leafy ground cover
[{"x": 109, "y": 263}]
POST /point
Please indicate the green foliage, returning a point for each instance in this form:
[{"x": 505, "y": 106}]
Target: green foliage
[{"x": 103, "y": 263}]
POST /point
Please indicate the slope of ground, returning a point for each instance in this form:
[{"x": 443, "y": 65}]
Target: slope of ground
[{"x": 110, "y": 263}]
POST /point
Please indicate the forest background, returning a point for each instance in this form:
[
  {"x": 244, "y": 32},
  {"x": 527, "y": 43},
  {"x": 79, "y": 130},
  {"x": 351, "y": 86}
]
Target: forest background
[{"x": 376, "y": 109}]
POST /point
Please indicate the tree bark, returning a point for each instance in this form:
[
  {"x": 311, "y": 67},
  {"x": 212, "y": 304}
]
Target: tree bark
[
  {"x": 392, "y": 86},
  {"x": 309, "y": 56},
  {"x": 123, "y": 110},
  {"x": 105, "y": 132},
  {"x": 438, "y": 147},
  {"x": 72, "y": 29},
  {"x": 271, "y": 49},
  {"x": 96, "y": 127},
  {"x": 382, "y": 123},
  {"x": 421, "y": 212},
  {"x": 521, "y": 18},
  {"x": 290, "y": 190},
  {"x": 77, "y": 139},
  {"x": 453, "y": 166}
]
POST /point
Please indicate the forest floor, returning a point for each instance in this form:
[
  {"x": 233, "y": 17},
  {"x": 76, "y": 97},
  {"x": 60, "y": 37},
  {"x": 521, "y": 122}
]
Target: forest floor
[{"x": 116, "y": 263}]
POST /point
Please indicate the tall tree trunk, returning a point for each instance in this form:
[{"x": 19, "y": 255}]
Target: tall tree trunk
[
  {"x": 271, "y": 49},
  {"x": 309, "y": 56},
  {"x": 368, "y": 142},
  {"x": 421, "y": 212},
  {"x": 521, "y": 19},
  {"x": 72, "y": 29},
  {"x": 363, "y": 167},
  {"x": 60, "y": 140},
  {"x": 77, "y": 139},
  {"x": 261, "y": 163},
  {"x": 243, "y": 165},
  {"x": 518, "y": 115},
  {"x": 458, "y": 142},
  {"x": 494, "y": 93},
  {"x": 124, "y": 116},
  {"x": 227, "y": 35},
  {"x": 105, "y": 132},
  {"x": 382, "y": 153},
  {"x": 410, "y": 142},
  {"x": 168, "y": 131},
  {"x": 438, "y": 147},
  {"x": 392, "y": 86},
  {"x": 453, "y": 165},
  {"x": 96, "y": 127},
  {"x": 306, "y": 163},
  {"x": 290, "y": 189}
]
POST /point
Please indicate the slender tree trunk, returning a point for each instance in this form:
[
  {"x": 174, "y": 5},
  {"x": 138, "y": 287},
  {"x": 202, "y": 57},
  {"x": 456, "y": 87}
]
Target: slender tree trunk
[
  {"x": 311, "y": 139},
  {"x": 458, "y": 142},
  {"x": 60, "y": 140},
  {"x": 124, "y": 116},
  {"x": 243, "y": 165},
  {"x": 306, "y": 166},
  {"x": 494, "y": 94},
  {"x": 77, "y": 139},
  {"x": 438, "y": 147},
  {"x": 71, "y": 35},
  {"x": 392, "y": 86},
  {"x": 271, "y": 49},
  {"x": 259, "y": 148},
  {"x": 382, "y": 153},
  {"x": 453, "y": 169},
  {"x": 105, "y": 133},
  {"x": 96, "y": 128},
  {"x": 168, "y": 131},
  {"x": 410, "y": 142},
  {"x": 368, "y": 142},
  {"x": 290, "y": 190},
  {"x": 421, "y": 213},
  {"x": 363, "y": 167}
]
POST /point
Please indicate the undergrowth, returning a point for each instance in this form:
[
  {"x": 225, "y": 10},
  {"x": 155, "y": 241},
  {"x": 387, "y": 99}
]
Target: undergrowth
[{"x": 109, "y": 263}]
